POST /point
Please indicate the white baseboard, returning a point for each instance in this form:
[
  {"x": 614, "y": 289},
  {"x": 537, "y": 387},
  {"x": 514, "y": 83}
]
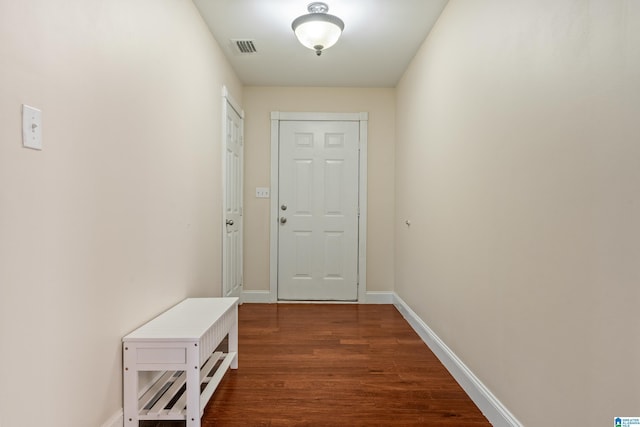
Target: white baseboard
[
  {"x": 497, "y": 414},
  {"x": 379, "y": 297},
  {"x": 117, "y": 420},
  {"x": 255, "y": 297},
  {"x": 264, "y": 297}
]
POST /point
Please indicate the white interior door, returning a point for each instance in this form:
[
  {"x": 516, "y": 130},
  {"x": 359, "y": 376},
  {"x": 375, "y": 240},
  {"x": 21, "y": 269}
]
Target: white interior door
[
  {"x": 232, "y": 240},
  {"x": 318, "y": 210}
]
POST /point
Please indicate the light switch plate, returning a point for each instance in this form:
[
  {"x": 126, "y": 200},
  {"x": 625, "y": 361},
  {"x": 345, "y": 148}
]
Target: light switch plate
[
  {"x": 31, "y": 127},
  {"x": 262, "y": 192}
]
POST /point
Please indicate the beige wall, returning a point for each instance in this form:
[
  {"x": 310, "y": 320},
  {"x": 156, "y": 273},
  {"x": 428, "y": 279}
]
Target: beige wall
[
  {"x": 258, "y": 103},
  {"x": 518, "y": 164},
  {"x": 118, "y": 218}
]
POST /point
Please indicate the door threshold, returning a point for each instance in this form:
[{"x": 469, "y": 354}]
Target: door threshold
[{"x": 286, "y": 301}]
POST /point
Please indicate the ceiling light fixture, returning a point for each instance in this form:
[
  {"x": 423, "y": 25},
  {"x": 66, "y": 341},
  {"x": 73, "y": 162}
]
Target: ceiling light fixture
[{"x": 318, "y": 30}]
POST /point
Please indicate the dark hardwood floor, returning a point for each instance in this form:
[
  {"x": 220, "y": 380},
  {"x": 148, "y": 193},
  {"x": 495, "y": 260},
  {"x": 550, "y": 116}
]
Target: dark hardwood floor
[{"x": 334, "y": 365}]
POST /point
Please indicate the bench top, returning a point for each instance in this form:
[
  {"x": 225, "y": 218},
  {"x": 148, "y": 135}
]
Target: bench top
[{"x": 188, "y": 320}]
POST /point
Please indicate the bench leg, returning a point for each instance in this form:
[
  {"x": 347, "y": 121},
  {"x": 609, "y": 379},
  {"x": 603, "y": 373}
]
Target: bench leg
[
  {"x": 193, "y": 387},
  {"x": 130, "y": 386},
  {"x": 233, "y": 339}
]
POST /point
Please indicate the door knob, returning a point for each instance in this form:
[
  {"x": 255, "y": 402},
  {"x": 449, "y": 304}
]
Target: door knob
[
  {"x": 283, "y": 207},
  {"x": 283, "y": 220},
  {"x": 229, "y": 222}
]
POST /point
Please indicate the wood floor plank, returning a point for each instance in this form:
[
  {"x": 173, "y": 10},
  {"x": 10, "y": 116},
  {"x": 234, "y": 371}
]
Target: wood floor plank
[
  {"x": 316, "y": 364},
  {"x": 335, "y": 365}
]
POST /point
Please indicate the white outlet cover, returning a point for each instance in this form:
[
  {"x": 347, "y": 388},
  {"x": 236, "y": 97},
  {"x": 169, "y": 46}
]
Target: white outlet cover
[{"x": 31, "y": 127}]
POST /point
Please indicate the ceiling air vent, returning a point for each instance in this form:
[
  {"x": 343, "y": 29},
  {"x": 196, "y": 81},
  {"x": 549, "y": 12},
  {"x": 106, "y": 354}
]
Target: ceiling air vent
[{"x": 244, "y": 46}]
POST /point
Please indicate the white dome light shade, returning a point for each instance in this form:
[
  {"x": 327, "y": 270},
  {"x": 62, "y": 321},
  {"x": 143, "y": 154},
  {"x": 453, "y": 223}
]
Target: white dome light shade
[
  {"x": 318, "y": 34},
  {"x": 318, "y": 30}
]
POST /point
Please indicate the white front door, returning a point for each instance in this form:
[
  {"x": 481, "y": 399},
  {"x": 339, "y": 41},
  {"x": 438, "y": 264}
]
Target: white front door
[
  {"x": 318, "y": 210},
  {"x": 232, "y": 239}
]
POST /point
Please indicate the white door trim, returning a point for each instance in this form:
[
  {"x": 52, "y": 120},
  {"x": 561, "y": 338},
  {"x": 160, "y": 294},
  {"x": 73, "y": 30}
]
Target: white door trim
[
  {"x": 363, "y": 119},
  {"x": 228, "y": 101}
]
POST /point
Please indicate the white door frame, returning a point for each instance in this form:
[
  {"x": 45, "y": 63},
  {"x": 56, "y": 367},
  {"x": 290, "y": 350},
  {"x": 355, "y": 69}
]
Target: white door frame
[
  {"x": 363, "y": 119},
  {"x": 229, "y": 101}
]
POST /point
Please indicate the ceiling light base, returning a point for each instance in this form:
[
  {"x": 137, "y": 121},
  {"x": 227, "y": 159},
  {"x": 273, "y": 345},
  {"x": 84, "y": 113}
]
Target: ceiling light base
[{"x": 318, "y": 7}]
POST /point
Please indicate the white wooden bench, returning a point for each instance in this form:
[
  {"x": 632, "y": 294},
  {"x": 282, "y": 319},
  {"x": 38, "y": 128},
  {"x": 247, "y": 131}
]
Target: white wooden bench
[{"x": 181, "y": 344}]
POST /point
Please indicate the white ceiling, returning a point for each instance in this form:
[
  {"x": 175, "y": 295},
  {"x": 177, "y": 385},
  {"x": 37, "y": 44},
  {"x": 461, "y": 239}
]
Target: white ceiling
[{"x": 379, "y": 39}]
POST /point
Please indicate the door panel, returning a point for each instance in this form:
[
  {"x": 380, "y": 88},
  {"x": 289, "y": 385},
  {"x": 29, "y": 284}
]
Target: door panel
[
  {"x": 232, "y": 246},
  {"x": 318, "y": 199}
]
